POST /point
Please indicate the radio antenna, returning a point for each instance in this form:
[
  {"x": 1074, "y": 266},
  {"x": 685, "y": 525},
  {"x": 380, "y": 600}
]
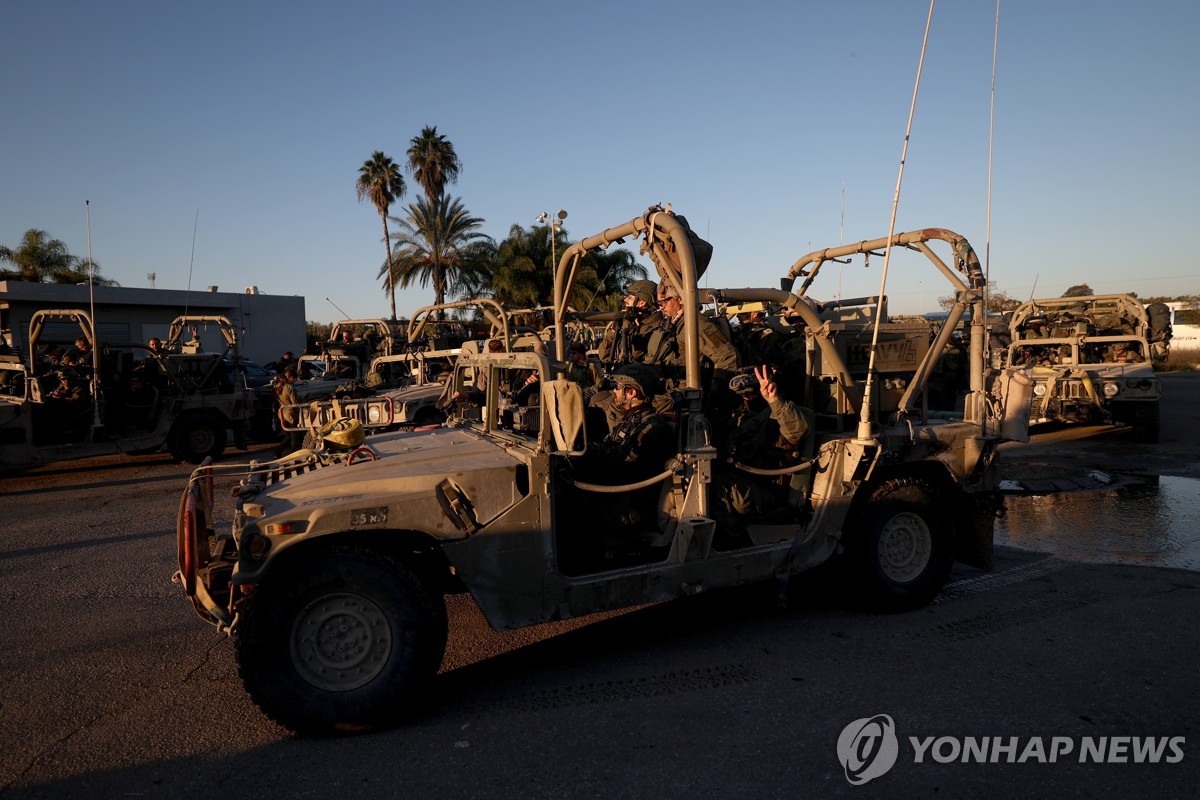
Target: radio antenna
[
  {"x": 865, "y": 432},
  {"x": 188, "y": 294},
  {"x": 339, "y": 308}
]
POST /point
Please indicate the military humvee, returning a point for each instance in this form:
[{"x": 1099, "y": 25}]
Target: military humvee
[
  {"x": 330, "y": 578},
  {"x": 410, "y": 382},
  {"x": 183, "y": 399},
  {"x": 1091, "y": 359}
]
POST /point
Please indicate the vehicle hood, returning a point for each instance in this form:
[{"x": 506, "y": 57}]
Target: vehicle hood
[{"x": 410, "y": 470}]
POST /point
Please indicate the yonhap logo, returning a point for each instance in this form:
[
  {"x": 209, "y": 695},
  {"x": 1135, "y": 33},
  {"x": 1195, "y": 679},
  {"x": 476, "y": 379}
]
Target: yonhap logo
[{"x": 868, "y": 748}]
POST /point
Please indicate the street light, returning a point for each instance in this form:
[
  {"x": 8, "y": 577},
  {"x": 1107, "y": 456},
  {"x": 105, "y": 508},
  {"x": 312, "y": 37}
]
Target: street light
[{"x": 555, "y": 224}]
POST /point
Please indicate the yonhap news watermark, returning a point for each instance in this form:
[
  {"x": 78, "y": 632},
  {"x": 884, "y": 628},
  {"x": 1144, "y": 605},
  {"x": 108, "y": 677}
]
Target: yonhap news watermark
[{"x": 870, "y": 747}]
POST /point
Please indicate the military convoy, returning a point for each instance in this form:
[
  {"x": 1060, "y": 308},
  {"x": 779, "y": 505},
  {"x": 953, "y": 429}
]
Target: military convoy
[
  {"x": 181, "y": 399},
  {"x": 331, "y": 578},
  {"x": 1091, "y": 359}
]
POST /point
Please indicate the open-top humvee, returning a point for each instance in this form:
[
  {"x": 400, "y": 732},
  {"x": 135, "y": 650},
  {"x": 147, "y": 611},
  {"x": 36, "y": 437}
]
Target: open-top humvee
[
  {"x": 1091, "y": 358},
  {"x": 331, "y": 578},
  {"x": 183, "y": 399}
]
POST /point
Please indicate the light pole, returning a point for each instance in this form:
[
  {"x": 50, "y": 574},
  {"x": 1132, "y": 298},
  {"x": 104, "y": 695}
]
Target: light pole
[{"x": 555, "y": 224}]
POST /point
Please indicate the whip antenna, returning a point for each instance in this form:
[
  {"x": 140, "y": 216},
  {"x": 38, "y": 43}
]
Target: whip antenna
[
  {"x": 188, "y": 294},
  {"x": 864, "y": 420},
  {"x": 95, "y": 326},
  {"x": 987, "y": 245}
]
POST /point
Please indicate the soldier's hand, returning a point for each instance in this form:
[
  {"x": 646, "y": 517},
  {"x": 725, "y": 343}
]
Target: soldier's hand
[{"x": 766, "y": 386}]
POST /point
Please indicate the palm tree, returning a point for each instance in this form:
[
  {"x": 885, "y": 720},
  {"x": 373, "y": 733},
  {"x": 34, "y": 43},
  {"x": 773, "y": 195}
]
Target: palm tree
[
  {"x": 40, "y": 259},
  {"x": 380, "y": 179},
  {"x": 436, "y": 243},
  {"x": 615, "y": 268},
  {"x": 433, "y": 162},
  {"x": 522, "y": 276}
]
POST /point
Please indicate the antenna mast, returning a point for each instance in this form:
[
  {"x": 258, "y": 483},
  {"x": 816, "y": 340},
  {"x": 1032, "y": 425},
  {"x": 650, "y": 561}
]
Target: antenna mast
[{"x": 865, "y": 432}]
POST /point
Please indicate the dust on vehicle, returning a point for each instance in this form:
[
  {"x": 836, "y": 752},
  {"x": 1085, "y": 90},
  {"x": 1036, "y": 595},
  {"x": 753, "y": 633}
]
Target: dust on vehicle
[{"x": 331, "y": 577}]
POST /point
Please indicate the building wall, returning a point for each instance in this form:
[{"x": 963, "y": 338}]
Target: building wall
[{"x": 268, "y": 325}]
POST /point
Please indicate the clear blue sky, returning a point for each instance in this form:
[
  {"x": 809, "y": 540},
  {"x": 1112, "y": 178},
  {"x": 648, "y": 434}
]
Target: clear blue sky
[{"x": 248, "y": 122}]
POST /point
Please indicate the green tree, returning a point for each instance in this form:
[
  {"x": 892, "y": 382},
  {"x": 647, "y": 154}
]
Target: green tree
[
  {"x": 40, "y": 259},
  {"x": 998, "y": 301},
  {"x": 380, "y": 180},
  {"x": 434, "y": 244},
  {"x": 523, "y": 275},
  {"x": 1079, "y": 290},
  {"x": 524, "y": 270},
  {"x": 615, "y": 269},
  {"x": 433, "y": 162}
]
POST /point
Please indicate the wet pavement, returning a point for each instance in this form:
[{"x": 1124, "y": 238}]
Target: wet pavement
[{"x": 1143, "y": 520}]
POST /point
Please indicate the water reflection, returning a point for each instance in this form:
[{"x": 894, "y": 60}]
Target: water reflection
[{"x": 1155, "y": 522}]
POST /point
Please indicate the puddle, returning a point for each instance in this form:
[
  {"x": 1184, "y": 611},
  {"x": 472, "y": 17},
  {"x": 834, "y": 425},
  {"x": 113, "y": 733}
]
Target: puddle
[{"x": 1154, "y": 522}]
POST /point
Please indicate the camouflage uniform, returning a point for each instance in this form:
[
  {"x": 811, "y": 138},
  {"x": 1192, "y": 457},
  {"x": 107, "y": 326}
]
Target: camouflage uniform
[
  {"x": 665, "y": 350},
  {"x": 625, "y": 340},
  {"x": 766, "y": 439}
]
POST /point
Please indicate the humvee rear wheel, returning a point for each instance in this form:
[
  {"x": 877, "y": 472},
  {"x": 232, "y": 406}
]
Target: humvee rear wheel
[
  {"x": 344, "y": 642},
  {"x": 198, "y": 437},
  {"x": 900, "y": 546}
]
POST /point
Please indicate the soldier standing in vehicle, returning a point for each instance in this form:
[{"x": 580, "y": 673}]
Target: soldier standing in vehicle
[
  {"x": 665, "y": 348},
  {"x": 288, "y": 414},
  {"x": 625, "y": 340}
]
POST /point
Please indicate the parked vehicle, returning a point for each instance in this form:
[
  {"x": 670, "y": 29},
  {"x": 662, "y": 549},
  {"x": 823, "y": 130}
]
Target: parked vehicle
[
  {"x": 183, "y": 399},
  {"x": 330, "y": 579}
]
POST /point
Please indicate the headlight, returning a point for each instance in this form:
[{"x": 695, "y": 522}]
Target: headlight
[
  {"x": 374, "y": 414},
  {"x": 254, "y": 545},
  {"x": 1111, "y": 389},
  {"x": 1039, "y": 389}
]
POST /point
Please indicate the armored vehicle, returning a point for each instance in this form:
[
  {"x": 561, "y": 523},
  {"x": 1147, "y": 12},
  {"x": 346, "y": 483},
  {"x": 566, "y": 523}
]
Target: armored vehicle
[
  {"x": 331, "y": 577},
  {"x": 1091, "y": 359},
  {"x": 182, "y": 398}
]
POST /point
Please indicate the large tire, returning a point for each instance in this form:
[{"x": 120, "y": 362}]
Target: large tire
[
  {"x": 345, "y": 642},
  {"x": 900, "y": 546},
  {"x": 198, "y": 437},
  {"x": 1141, "y": 417}
]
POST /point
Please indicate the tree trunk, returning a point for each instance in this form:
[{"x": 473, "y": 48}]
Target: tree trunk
[{"x": 387, "y": 243}]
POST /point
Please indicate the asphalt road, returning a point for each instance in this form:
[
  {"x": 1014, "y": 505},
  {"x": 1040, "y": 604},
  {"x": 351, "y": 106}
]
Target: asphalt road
[{"x": 111, "y": 687}]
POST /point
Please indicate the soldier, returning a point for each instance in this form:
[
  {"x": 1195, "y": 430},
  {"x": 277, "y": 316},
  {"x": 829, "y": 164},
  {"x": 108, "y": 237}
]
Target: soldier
[
  {"x": 285, "y": 398},
  {"x": 81, "y": 353},
  {"x": 578, "y": 367},
  {"x": 625, "y": 341},
  {"x": 765, "y": 432},
  {"x": 665, "y": 350},
  {"x": 1119, "y": 353},
  {"x": 640, "y": 444}
]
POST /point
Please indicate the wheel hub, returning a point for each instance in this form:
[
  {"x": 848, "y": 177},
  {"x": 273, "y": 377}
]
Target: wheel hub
[
  {"x": 905, "y": 546},
  {"x": 340, "y": 642}
]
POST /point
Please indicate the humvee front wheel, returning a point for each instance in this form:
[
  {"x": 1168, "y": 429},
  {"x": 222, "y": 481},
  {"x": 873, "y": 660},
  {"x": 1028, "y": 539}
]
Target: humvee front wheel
[
  {"x": 1141, "y": 417},
  {"x": 900, "y": 546},
  {"x": 344, "y": 642}
]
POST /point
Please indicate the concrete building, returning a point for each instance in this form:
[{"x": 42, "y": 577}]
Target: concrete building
[{"x": 268, "y": 325}]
